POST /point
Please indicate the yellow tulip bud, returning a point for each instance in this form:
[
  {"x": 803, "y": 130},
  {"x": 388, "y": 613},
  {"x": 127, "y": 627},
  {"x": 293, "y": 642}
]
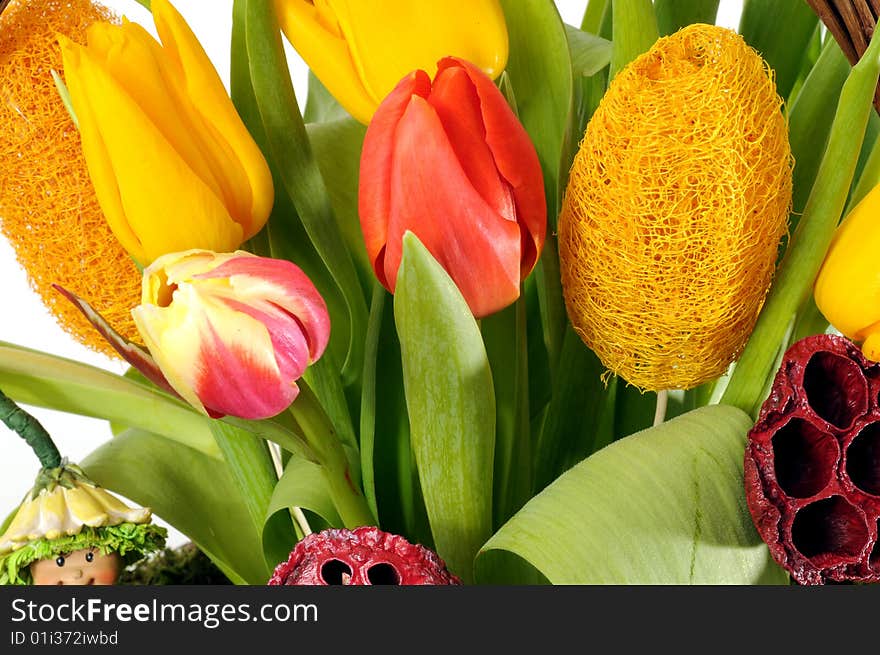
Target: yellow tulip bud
[
  {"x": 360, "y": 50},
  {"x": 847, "y": 289},
  {"x": 172, "y": 163}
]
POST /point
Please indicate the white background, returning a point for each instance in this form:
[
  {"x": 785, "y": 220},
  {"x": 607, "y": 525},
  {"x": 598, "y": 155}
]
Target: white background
[{"x": 25, "y": 320}]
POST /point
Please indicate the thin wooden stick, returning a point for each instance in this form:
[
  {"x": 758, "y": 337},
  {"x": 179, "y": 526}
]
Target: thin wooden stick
[{"x": 662, "y": 401}]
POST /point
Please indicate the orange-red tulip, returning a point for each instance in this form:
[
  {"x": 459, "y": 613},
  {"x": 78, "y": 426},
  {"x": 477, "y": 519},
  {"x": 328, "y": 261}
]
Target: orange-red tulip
[{"x": 450, "y": 162}]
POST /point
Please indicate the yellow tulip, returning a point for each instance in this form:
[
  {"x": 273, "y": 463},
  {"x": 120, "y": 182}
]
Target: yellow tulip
[
  {"x": 172, "y": 163},
  {"x": 847, "y": 289},
  {"x": 361, "y": 49}
]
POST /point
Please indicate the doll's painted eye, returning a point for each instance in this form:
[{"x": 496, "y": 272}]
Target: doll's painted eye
[
  {"x": 59, "y": 560},
  {"x": 90, "y": 556}
]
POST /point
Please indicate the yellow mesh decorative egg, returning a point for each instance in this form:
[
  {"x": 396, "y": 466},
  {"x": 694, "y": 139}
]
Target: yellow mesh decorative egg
[
  {"x": 675, "y": 206},
  {"x": 48, "y": 208}
]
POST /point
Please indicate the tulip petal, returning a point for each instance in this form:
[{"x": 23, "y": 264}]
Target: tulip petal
[
  {"x": 847, "y": 287},
  {"x": 454, "y": 98},
  {"x": 377, "y": 162},
  {"x": 277, "y": 285},
  {"x": 389, "y": 38},
  {"x": 327, "y": 54},
  {"x": 288, "y": 339},
  {"x": 239, "y": 163},
  {"x": 132, "y": 165},
  {"x": 136, "y": 63},
  {"x": 98, "y": 160},
  {"x": 871, "y": 345},
  {"x": 214, "y": 356},
  {"x": 515, "y": 157},
  {"x": 433, "y": 198}
]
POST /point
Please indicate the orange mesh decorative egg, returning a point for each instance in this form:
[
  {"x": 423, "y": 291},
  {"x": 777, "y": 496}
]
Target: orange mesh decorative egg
[
  {"x": 675, "y": 206},
  {"x": 48, "y": 208}
]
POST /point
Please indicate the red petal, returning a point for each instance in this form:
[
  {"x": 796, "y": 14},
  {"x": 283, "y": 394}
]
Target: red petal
[
  {"x": 374, "y": 191},
  {"x": 455, "y": 100},
  {"x": 515, "y": 158},
  {"x": 289, "y": 341},
  {"x": 431, "y": 195}
]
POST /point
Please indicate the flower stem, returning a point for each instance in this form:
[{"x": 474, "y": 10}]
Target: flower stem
[
  {"x": 317, "y": 429},
  {"x": 29, "y": 429}
]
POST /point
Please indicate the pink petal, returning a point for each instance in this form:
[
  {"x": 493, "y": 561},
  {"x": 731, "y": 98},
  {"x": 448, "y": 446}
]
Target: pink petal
[
  {"x": 231, "y": 381},
  {"x": 256, "y": 280}
]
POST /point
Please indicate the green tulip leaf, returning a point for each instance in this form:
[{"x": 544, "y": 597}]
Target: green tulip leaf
[
  {"x": 675, "y": 14},
  {"x": 321, "y": 106},
  {"x": 194, "y": 493},
  {"x": 540, "y": 74},
  {"x": 781, "y": 31},
  {"x": 634, "y": 31},
  {"x": 504, "y": 334},
  {"x": 337, "y": 147},
  {"x": 810, "y": 117},
  {"x": 451, "y": 405},
  {"x": 589, "y": 53},
  {"x": 390, "y": 479},
  {"x": 580, "y": 417},
  {"x": 44, "y": 380},
  {"x": 662, "y": 506},
  {"x": 286, "y": 145},
  {"x": 302, "y": 485},
  {"x": 597, "y": 18},
  {"x": 250, "y": 464}
]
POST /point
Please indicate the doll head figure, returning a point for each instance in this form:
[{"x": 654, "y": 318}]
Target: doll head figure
[{"x": 87, "y": 566}]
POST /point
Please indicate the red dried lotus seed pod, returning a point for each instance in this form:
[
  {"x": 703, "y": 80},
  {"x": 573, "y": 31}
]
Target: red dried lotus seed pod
[
  {"x": 363, "y": 556},
  {"x": 812, "y": 464}
]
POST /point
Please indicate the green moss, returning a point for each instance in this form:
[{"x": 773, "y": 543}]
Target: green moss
[{"x": 184, "y": 565}]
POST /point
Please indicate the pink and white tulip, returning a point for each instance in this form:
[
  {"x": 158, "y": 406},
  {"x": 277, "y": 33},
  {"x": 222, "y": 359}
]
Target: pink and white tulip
[{"x": 231, "y": 333}]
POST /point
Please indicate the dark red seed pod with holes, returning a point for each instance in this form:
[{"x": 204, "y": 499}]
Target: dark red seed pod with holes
[
  {"x": 363, "y": 556},
  {"x": 812, "y": 465}
]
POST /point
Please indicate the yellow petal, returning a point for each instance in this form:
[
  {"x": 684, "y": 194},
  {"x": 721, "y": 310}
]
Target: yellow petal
[
  {"x": 165, "y": 204},
  {"x": 171, "y": 334},
  {"x": 871, "y": 346},
  {"x": 316, "y": 37},
  {"x": 54, "y": 520},
  {"x": 98, "y": 159},
  {"x": 25, "y": 523},
  {"x": 178, "y": 335},
  {"x": 83, "y": 508},
  {"x": 390, "y": 38},
  {"x": 847, "y": 289},
  {"x": 137, "y": 64},
  {"x": 242, "y": 167}
]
